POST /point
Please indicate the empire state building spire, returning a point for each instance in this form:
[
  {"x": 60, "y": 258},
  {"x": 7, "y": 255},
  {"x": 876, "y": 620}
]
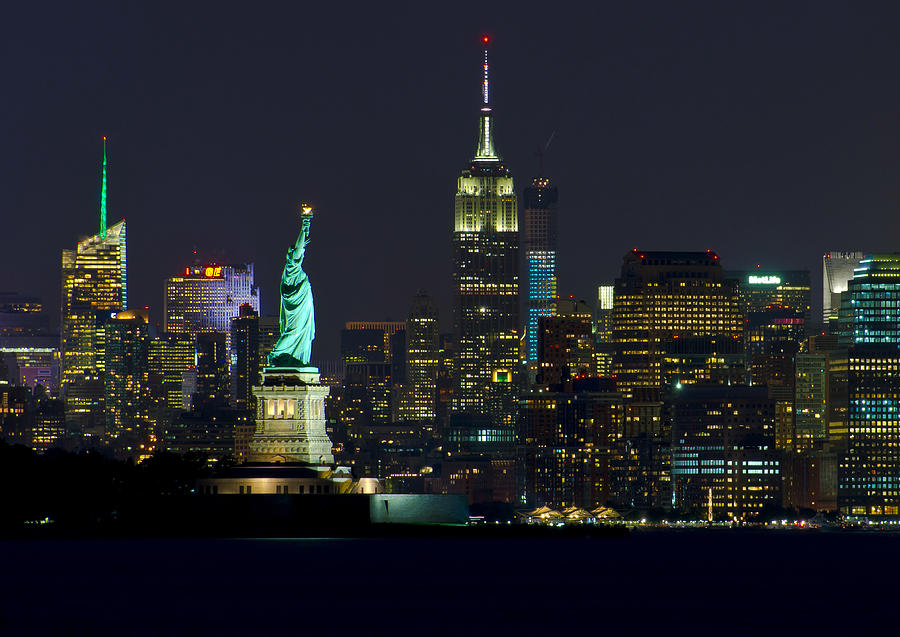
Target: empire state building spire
[{"x": 485, "y": 151}]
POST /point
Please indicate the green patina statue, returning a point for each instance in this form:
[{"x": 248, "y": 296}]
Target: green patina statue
[{"x": 296, "y": 316}]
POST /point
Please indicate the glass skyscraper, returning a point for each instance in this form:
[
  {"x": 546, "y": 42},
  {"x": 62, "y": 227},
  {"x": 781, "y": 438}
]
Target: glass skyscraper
[
  {"x": 94, "y": 285},
  {"x": 486, "y": 282},
  {"x": 540, "y": 259},
  {"x": 837, "y": 270},
  {"x": 870, "y": 306},
  {"x": 204, "y": 298},
  {"x": 869, "y": 324}
]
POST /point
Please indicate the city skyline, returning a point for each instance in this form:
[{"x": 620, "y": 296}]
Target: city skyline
[
  {"x": 408, "y": 290},
  {"x": 746, "y": 136}
]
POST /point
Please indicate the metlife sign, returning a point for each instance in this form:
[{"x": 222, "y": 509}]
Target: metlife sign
[{"x": 768, "y": 279}]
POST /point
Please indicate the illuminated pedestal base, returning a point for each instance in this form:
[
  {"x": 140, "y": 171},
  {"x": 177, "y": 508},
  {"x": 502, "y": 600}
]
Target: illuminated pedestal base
[{"x": 290, "y": 418}]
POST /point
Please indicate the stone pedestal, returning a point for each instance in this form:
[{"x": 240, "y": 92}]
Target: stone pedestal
[{"x": 290, "y": 418}]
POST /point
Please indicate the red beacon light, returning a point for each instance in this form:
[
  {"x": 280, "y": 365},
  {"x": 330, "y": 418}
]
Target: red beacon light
[{"x": 485, "y": 39}]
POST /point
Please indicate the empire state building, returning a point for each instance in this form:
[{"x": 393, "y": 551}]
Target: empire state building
[{"x": 486, "y": 285}]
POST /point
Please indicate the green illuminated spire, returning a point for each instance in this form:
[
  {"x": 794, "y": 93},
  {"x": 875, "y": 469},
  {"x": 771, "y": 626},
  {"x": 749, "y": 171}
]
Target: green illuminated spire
[
  {"x": 485, "y": 150},
  {"x": 103, "y": 195}
]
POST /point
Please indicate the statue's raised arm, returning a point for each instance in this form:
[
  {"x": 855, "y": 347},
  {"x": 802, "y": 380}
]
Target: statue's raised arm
[
  {"x": 296, "y": 314},
  {"x": 303, "y": 238}
]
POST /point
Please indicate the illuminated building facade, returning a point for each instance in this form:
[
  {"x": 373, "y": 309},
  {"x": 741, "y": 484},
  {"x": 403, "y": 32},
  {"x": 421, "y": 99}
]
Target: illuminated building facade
[
  {"x": 870, "y": 307},
  {"x": 539, "y": 244},
  {"x": 31, "y": 361},
  {"x": 640, "y": 470},
  {"x": 675, "y": 321},
  {"x": 366, "y": 396},
  {"x": 810, "y": 398},
  {"x": 869, "y": 475},
  {"x": 246, "y": 369},
  {"x": 564, "y": 445},
  {"x": 48, "y": 424},
  {"x": 761, "y": 290},
  {"x": 213, "y": 380},
  {"x": 723, "y": 449},
  {"x": 269, "y": 331},
  {"x": 486, "y": 282},
  {"x": 776, "y": 308},
  {"x": 170, "y": 357},
  {"x": 869, "y": 326},
  {"x": 419, "y": 396},
  {"x": 204, "y": 298},
  {"x": 94, "y": 284},
  {"x": 370, "y": 341},
  {"x": 28, "y": 350},
  {"x": 773, "y": 337},
  {"x": 815, "y": 446},
  {"x": 565, "y": 343},
  {"x": 126, "y": 383},
  {"x": 363, "y": 346},
  {"x": 14, "y": 407},
  {"x": 837, "y": 270},
  {"x": 603, "y": 330},
  {"x": 212, "y": 433},
  {"x": 22, "y": 316}
]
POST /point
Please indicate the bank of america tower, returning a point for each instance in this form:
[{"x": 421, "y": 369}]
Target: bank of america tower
[{"x": 486, "y": 283}]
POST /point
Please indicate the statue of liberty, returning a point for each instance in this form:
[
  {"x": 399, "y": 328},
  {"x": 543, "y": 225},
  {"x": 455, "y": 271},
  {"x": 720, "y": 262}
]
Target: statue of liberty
[{"x": 296, "y": 315}]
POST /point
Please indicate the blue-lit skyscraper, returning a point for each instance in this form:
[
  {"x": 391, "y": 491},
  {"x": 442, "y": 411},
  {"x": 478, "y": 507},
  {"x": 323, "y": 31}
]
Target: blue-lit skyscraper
[
  {"x": 869, "y": 323},
  {"x": 540, "y": 259},
  {"x": 870, "y": 308}
]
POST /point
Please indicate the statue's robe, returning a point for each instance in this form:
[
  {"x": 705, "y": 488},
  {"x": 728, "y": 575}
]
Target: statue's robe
[{"x": 296, "y": 317}]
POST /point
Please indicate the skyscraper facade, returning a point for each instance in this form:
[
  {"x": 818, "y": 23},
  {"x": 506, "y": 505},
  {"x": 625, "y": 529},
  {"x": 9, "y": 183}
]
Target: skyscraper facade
[
  {"x": 126, "y": 384},
  {"x": 94, "y": 284},
  {"x": 213, "y": 382},
  {"x": 723, "y": 451},
  {"x": 869, "y": 475},
  {"x": 869, "y": 326},
  {"x": 539, "y": 244},
  {"x": 870, "y": 306},
  {"x": 419, "y": 397},
  {"x": 269, "y": 331},
  {"x": 170, "y": 357},
  {"x": 28, "y": 350},
  {"x": 676, "y": 320},
  {"x": 565, "y": 343},
  {"x": 486, "y": 281},
  {"x": 603, "y": 330},
  {"x": 837, "y": 270},
  {"x": 49, "y": 423},
  {"x": 367, "y": 396},
  {"x": 369, "y": 341},
  {"x": 245, "y": 344},
  {"x": 363, "y": 346},
  {"x": 761, "y": 290},
  {"x": 206, "y": 298},
  {"x": 810, "y": 398},
  {"x": 563, "y": 447}
]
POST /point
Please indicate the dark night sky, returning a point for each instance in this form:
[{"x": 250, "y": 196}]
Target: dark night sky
[{"x": 768, "y": 133}]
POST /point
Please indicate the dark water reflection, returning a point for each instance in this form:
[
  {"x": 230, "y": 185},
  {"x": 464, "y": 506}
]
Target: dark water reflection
[{"x": 674, "y": 582}]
